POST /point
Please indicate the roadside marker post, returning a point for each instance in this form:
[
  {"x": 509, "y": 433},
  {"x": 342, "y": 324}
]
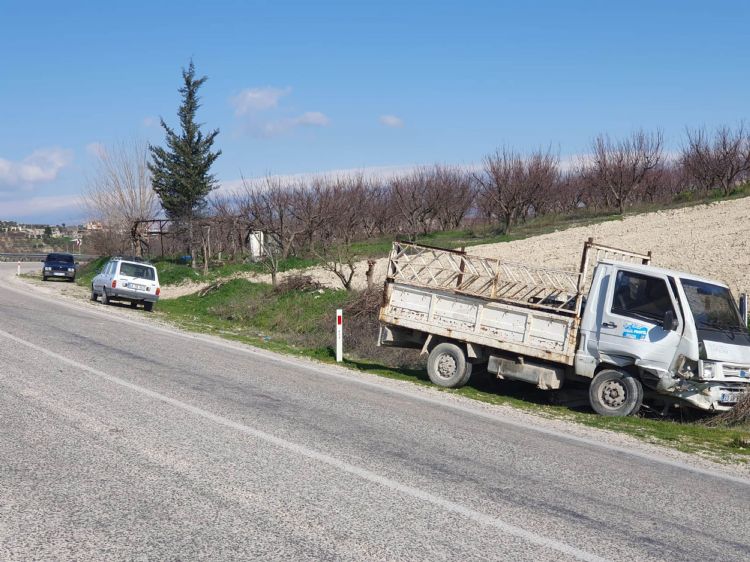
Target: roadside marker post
[
  {"x": 339, "y": 336},
  {"x": 18, "y": 269}
]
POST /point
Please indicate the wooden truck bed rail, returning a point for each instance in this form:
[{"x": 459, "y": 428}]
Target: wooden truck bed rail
[{"x": 554, "y": 290}]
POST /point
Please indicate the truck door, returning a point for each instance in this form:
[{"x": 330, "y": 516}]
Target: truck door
[{"x": 630, "y": 331}]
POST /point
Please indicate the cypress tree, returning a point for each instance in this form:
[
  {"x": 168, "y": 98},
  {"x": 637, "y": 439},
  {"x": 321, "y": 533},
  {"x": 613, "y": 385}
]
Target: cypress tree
[{"x": 181, "y": 172}]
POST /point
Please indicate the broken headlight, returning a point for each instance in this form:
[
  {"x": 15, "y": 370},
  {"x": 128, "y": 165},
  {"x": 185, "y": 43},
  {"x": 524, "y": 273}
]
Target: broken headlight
[{"x": 708, "y": 370}]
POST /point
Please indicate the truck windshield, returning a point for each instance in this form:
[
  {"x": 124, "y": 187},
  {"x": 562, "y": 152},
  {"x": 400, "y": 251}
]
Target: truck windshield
[{"x": 712, "y": 305}]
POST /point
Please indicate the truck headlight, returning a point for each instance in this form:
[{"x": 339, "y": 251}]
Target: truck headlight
[{"x": 709, "y": 369}]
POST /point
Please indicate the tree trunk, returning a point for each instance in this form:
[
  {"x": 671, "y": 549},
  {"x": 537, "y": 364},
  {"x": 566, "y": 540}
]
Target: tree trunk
[
  {"x": 370, "y": 273},
  {"x": 191, "y": 246}
]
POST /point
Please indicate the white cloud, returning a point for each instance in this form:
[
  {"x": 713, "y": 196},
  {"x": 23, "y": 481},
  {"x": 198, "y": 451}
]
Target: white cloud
[
  {"x": 40, "y": 166},
  {"x": 41, "y": 206},
  {"x": 314, "y": 118},
  {"x": 308, "y": 119},
  {"x": 96, "y": 149},
  {"x": 150, "y": 121},
  {"x": 257, "y": 99},
  {"x": 391, "y": 121}
]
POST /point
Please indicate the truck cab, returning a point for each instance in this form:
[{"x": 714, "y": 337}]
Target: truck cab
[{"x": 681, "y": 336}]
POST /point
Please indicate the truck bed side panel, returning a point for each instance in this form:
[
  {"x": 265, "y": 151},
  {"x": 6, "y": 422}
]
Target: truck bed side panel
[{"x": 510, "y": 328}]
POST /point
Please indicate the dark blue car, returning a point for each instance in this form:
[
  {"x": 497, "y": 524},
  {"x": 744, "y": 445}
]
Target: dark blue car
[{"x": 62, "y": 266}]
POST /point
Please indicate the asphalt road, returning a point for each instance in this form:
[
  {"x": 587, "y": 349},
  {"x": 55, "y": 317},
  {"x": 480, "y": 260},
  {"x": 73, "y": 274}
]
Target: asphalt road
[{"x": 123, "y": 440}]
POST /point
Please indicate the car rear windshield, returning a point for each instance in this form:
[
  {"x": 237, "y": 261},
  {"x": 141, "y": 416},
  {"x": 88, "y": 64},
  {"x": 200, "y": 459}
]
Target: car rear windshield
[
  {"x": 137, "y": 270},
  {"x": 67, "y": 258}
]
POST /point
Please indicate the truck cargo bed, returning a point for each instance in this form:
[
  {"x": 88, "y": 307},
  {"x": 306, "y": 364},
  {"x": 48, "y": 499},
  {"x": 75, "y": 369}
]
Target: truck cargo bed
[{"x": 514, "y": 329}]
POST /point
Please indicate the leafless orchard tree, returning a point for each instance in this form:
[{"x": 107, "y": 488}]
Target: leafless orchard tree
[
  {"x": 621, "y": 168},
  {"x": 268, "y": 208},
  {"x": 377, "y": 214},
  {"x": 666, "y": 181},
  {"x": 119, "y": 192},
  {"x": 343, "y": 199},
  {"x": 541, "y": 177},
  {"x": 414, "y": 199},
  {"x": 454, "y": 194},
  {"x": 512, "y": 186},
  {"x": 502, "y": 191},
  {"x": 717, "y": 162}
]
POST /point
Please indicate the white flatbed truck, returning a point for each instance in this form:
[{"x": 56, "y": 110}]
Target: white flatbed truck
[{"x": 619, "y": 323}]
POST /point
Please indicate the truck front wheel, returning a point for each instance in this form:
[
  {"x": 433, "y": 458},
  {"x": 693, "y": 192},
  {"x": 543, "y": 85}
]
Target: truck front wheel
[
  {"x": 447, "y": 366},
  {"x": 615, "y": 393}
]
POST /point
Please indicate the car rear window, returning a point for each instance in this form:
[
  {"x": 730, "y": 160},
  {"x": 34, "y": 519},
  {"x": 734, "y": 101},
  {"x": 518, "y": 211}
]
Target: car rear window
[
  {"x": 60, "y": 257},
  {"x": 137, "y": 270}
]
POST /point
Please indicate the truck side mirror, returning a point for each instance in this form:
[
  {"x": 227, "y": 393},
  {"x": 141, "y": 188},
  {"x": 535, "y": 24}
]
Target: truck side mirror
[{"x": 670, "y": 322}]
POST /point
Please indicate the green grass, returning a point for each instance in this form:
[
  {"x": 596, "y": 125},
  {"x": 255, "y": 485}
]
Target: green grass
[
  {"x": 88, "y": 271},
  {"x": 253, "y": 312},
  {"x": 301, "y": 323}
]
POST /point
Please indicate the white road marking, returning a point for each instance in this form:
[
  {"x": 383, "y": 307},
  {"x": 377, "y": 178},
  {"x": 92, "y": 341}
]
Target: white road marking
[
  {"x": 329, "y": 460},
  {"x": 343, "y": 374}
]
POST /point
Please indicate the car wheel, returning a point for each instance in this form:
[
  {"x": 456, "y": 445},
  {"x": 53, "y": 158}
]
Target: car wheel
[
  {"x": 93, "y": 293},
  {"x": 105, "y": 297},
  {"x": 615, "y": 393},
  {"x": 133, "y": 304},
  {"x": 72, "y": 279},
  {"x": 148, "y": 306},
  {"x": 447, "y": 366},
  {"x": 44, "y": 277}
]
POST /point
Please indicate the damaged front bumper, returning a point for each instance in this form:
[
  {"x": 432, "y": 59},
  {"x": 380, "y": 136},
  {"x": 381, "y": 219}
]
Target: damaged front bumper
[{"x": 715, "y": 396}]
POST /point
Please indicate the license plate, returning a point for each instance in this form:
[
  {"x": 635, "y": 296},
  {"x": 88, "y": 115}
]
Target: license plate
[
  {"x": 138, "y": 287},
  {"x": 731, "y": 397},
  {"x": 59, "y": 274}
]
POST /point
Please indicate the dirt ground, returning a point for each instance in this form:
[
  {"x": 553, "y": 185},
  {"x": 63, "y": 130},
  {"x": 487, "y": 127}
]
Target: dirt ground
[{"x": 708, "y": 240}]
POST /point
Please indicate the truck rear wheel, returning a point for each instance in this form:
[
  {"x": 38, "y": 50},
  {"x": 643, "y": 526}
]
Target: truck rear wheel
[
  {"x": 615, "y": 393},
  {"x": 447, "y": 366}
]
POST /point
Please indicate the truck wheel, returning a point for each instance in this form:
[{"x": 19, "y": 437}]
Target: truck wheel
[
  {"x": 615, "y": 393},
  {"x": 467, "y": 375},
  {"x": 447, "y": 366}
]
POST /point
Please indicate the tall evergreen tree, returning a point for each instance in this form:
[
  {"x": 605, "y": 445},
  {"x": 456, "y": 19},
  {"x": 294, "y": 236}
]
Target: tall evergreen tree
[{"x": 180, "y": 172}]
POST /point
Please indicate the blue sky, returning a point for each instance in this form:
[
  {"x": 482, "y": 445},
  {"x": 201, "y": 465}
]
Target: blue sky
[{"x": 302, "y": 87}]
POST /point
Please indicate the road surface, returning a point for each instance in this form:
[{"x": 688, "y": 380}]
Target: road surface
[{"x": 120, "y": 439}]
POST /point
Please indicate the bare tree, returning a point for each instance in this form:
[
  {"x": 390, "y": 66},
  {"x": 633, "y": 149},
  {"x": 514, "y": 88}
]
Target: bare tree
[
  {"x": 513, "y": 186},
  {"x": 268, "y": 209},
  {"x": 541, "y": 178},
  {"x": 342, "y": 200},
  {"x": 415, "y": 201},
  {"x": 717, "y": 162},
  {"x": 621, "y": 168},
  {"x": 665, "y": 182},
  {"x": 454, "y": 194},
  {"x": 119, "y": 192}
]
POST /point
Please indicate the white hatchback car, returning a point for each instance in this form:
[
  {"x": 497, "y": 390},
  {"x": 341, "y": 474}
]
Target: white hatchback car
[{"x": 127, "y": 280}]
